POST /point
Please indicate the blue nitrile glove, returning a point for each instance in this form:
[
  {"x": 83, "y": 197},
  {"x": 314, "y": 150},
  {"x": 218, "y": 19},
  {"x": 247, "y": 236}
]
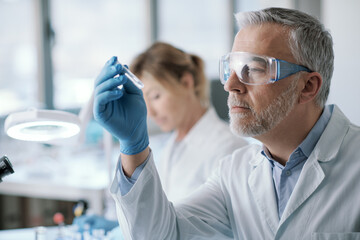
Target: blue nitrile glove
[
  {"x": 121, "y": 111},
  {"x": 94, "y": 222}
]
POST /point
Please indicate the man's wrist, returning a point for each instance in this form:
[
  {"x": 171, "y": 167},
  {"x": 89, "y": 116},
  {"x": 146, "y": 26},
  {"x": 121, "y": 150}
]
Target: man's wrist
[
  {"x": 132, "y": 147},
  {"x": 131, "y": 162}
]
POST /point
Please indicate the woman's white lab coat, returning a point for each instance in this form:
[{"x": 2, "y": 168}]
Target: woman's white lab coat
[
  {"x": 183, "y": 166},
  {"x": 239, "y": 199}
]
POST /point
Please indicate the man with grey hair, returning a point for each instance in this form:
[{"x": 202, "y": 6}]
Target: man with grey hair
[{"x": 301, "y": 184}]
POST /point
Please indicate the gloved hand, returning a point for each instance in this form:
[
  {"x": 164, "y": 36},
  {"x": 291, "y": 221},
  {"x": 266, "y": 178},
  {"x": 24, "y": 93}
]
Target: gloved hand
[
  {"x": 121, "y": 111},
  {"x": 94, "y": 222}
]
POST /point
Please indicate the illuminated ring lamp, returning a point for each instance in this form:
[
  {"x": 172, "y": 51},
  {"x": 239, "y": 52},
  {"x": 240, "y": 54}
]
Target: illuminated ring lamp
[{"x": 42, "y": 125}]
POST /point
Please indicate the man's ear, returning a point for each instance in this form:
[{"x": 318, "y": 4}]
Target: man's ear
[
  {"x": 187, "y": 80},
  {"x": 312, "y": 83}
]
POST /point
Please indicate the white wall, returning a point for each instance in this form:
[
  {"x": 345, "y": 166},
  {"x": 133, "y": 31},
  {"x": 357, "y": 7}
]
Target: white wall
[{"x": 342, "y": 18}]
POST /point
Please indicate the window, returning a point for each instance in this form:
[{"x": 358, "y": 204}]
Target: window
[
  {"x": 87, "y": 34},
  {"x": 18, "y": 56},
  {"x": 201, "y": 27}
]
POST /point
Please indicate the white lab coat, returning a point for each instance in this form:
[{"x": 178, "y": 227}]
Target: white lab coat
[
  {"x": 239, "y": 198},
  {"x": 184, "y": 166}
]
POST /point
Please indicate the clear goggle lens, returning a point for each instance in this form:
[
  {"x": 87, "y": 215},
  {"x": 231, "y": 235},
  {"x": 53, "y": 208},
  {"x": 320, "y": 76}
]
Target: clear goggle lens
[
  {"x": 249, "y": 68},
  {"x": 254, "y": 69}
]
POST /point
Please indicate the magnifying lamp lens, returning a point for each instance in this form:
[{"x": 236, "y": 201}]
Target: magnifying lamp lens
[
  {"x": 41, "y": 129},
  {"x": 42, "y": 125}
]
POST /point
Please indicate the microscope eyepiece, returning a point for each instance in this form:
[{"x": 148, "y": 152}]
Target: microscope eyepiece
[{"x": 5, "y": 167}]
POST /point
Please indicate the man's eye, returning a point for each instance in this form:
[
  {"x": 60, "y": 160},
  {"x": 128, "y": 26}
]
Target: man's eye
[{"x": 257, "y": 70}]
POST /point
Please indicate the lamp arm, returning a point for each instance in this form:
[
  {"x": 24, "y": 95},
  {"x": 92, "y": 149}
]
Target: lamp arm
[{"x": 85, "y": 115}]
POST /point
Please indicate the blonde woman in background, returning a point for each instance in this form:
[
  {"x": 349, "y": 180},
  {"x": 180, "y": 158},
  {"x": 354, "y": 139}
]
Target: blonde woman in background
[{"x": 177, "y": 100}]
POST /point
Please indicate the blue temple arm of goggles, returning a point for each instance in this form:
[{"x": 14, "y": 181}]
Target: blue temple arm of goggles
[{"x": 286, "y": 69}]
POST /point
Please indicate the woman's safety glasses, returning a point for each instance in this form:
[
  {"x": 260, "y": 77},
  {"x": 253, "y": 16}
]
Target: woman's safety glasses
[{"x": 254, "y": 69}]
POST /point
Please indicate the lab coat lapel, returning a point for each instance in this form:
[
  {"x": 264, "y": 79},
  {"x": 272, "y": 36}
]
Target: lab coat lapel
[
  {"x": 261, "y": 185},
  {"x": 309, "y": 180},
  {"x": 312, "y": 174}
]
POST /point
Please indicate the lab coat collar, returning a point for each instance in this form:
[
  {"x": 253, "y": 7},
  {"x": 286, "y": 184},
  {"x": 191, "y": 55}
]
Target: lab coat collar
[
  {"x": 332, "y": 137},
  {"x": 194, "y": 136},
  {"x": 254, "y": 162},
  {"x": 201, "y": 126}
]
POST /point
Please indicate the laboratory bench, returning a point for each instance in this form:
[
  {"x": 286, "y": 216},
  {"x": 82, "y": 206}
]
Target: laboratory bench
[
  {"x": 67, "y": 232},
  {"x": 69, "y": 186},
  {"x": 28, "y": 234},
  {"x": 52, "y": 177}
]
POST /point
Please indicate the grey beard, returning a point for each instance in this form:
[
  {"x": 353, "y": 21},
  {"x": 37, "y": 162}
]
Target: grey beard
[{"x": 265, "y": 120}]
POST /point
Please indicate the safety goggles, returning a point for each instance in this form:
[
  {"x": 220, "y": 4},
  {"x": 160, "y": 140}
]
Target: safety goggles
[{"x": 254, "y": 69}]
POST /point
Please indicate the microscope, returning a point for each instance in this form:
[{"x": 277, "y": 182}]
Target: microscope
[{"x": 5, "y": 167}]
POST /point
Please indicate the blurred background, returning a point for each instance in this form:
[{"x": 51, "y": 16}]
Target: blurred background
[{"x": 51, "y": 51}]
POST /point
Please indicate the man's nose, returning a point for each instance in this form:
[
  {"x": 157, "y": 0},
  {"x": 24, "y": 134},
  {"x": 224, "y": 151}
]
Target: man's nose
[{"x": 234, "y": 84}]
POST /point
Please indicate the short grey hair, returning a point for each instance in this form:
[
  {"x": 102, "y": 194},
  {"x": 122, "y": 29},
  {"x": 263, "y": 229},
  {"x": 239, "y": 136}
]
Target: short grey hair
[{"x": 310, "y": 43}]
